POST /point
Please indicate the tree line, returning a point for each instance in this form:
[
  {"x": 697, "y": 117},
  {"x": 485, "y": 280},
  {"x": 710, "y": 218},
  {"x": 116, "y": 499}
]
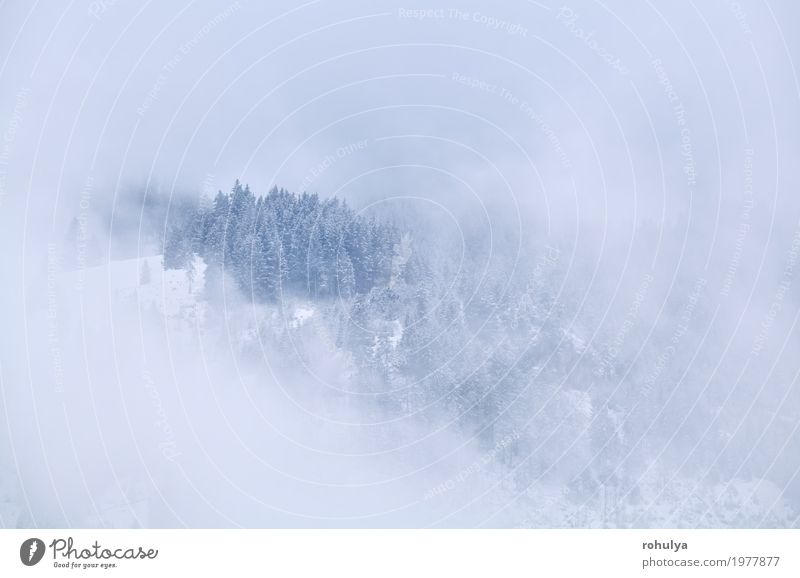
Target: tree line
[{"x": 284, "y": 242}]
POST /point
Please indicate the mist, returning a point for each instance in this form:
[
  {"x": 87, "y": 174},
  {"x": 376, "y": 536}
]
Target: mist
[{"x": 588, "y": 313}]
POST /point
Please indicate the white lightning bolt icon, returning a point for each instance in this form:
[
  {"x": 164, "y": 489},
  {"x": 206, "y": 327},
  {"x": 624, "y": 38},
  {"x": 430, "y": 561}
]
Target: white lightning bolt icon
[{"x": 34, "y": 547}]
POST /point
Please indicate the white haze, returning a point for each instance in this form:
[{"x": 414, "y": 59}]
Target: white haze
[{"x": 551, "y": 147}]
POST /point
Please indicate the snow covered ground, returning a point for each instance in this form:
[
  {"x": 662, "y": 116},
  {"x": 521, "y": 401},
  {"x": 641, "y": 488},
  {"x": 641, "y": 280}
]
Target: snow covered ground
[{"x": 143, "y": 281}]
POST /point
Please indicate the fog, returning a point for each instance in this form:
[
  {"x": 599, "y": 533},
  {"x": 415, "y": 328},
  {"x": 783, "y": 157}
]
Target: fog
[{"x": 630, "y": 167}]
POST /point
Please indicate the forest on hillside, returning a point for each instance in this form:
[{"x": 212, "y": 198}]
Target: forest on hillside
[
  {"x": 491, "y": 352},
  {"x": 281, "y": 242}
]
